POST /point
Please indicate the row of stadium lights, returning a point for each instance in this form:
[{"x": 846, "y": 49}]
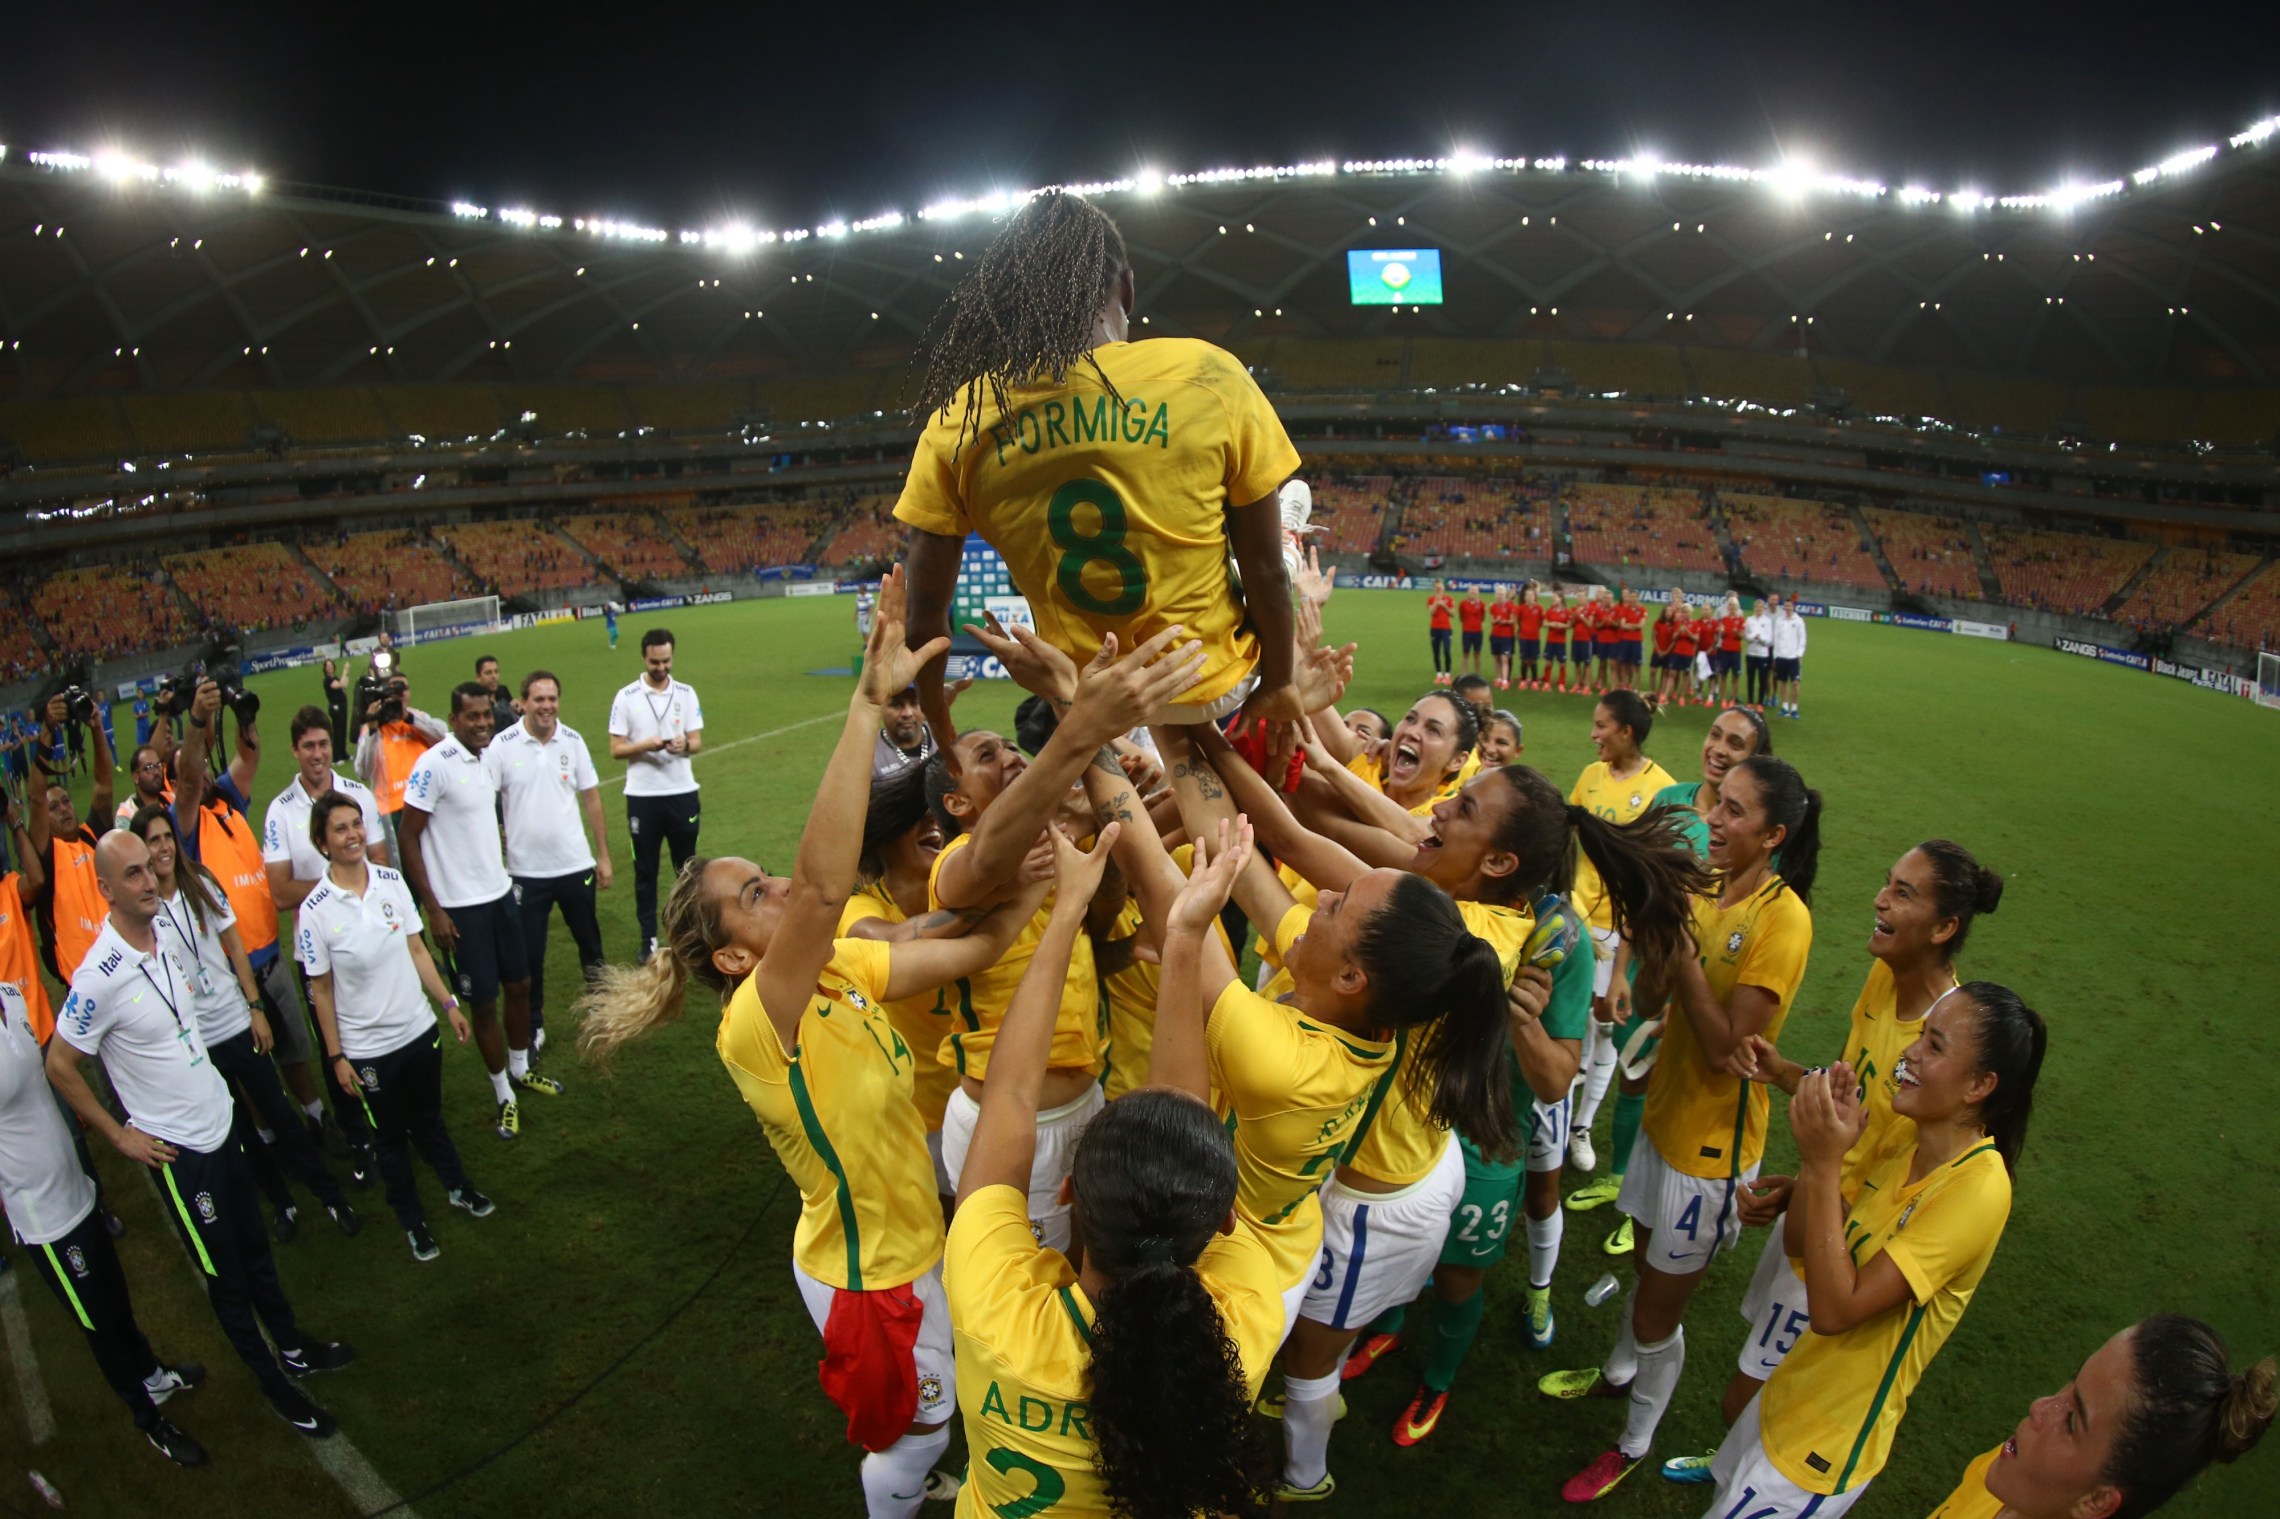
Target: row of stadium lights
[{"x": 1794, "y": 178}]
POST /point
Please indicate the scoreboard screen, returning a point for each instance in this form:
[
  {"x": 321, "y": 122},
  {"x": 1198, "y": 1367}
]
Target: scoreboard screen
[{"x": 1394, "y": 276}]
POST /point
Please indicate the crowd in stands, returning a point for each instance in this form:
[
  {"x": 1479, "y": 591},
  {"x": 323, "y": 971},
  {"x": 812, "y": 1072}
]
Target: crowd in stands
[
  {"x": 1350, "y": 510},
  {"x": 1477, "y": 517},
  {"x": 105, "y": 611},
  {"x": 1930, "y": 555},
  {"x": 2250, "y": 620},
  {"x": 632, "y": 545},
  {"x": 869, "y": 533},
  {"x": 1780, "y": 538},
  {"x": 21, "y": 656},
  {"x": 388, "y": 571},
  {"x": 1647, "y": 525},
  {"x": 253, "y": 588},
  {"x": 737, "y": 540},
  {"x": 519, "y": 558},
  {"x": 2069, "y": 573},
  {"x": 2182, "y": 586}
]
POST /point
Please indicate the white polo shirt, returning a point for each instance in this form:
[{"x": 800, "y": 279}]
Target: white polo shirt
[
  {"x": 285, "y": 834},
  {"x": 364, "y": 944},
  {"x": 640, "y": 712},
  {"x": 222, "y": 1010},
  {"x": 541, "y": 785},
  {"x": 465, "y": 866},
  {"x": 139, "y": 1013},
  {"x": 42, "y": 1188}
]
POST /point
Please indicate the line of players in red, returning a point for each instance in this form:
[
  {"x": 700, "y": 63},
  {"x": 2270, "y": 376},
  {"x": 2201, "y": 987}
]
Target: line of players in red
[{"x": 1539, "y": 640}]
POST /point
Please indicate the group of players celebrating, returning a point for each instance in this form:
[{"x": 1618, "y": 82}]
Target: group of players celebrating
[{"x": 1068, "y": 1174}]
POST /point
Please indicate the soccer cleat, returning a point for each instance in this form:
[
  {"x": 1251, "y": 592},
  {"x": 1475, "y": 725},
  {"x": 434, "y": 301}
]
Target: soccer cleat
[
  {"x": 1689, "y": 1470},
  {"x": 941, "y": 1487},
  {"x": 509, "y": 1125},
  {"x": 285, "y": 1225},
  {"x": 423, "y": 1243},
  {"x": 1598, "y": 1479},
  {"x": 1541, "y": 1325},
  {"x": 174, "y": 1445},
  {"x": 295, "y": 1409},
  {"x": 1365, "y": 1355},
  {"x": 1596, "y": 1193},
  {"x": 476, "y": 1204},
  {"x": 1569, "y": 1385},
  {"x": 1503, "y": 685},
  {"x": 316, "y": 1356},
  {"x": 1422, "y": 1416},
  {"x": 345, "y": 1218},
  {"x": 1285, "y": 1493},
  {"x": 531, "y": 1081},
  {"x": 1620, "y": 1242},
  {"x": 1580, "y": 1153},
  {"x": 169, "y": 1380}
]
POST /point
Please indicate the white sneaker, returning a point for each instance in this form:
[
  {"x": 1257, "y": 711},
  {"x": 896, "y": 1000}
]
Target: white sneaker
[
  {"x": 1297, "y": 503},
  {"x": 1580, "y": 1153}
]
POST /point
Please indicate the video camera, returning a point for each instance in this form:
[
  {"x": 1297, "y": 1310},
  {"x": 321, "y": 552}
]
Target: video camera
[
  {"x": 384, "y": 686},
  {"x": 221, "y": 662}
]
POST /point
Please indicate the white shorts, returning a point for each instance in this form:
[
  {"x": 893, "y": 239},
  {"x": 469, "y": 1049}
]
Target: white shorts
[
  {"x": 1751, "y": 1487},
  {"x": 1293, "y": 1299},
  {"x": 1175, "y": 714},
  {"x": 942, "y": 1182},
  {"x": 1775, "y": 1309},
  {"x": 937, "y": 1370},
  {"x": 1379, "y": 1248},
  {"x": 1548, "y": 1125},
  {"x": 1693, "y": 1217},
  {"x": 1057, "y": 1132},
  {"x": 1603, "y": 944}
]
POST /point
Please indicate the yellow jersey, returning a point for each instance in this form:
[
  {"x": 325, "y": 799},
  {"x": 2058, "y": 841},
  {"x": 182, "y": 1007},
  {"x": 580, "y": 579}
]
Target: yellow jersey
[
  {"x": 1023, "y": 1330},
  {"x": 1827, "y": 1417},
  {"x": 1618, "y": 801},
  {"x": 1295, "y": 1093},
  {"x": 1403, "y": 1143},
  {"x": 1131, "y": 1013},
  {"x": 1971, "y": 1499},
  {"x": 837, "y": 1110},
  {"x": 1873, "y": 1045},
  {"x": 978, "y": 1003},
  {"x": 923, "y": 1021},
  {"x": 1702, "y": 1121},
  {"x": 1111, "y": 510}
]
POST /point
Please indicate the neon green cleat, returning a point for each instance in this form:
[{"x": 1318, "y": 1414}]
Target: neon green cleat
[
  {"x": 1567, "y": 1385},
  {"x": 1285, "y": 1493},
  {"x": 1596, "y": 1193},
  {"x": 1620, "y": 1242},
  {"x": 1689, "y": 1469},
  {"x": 1541, "y": 1327}
]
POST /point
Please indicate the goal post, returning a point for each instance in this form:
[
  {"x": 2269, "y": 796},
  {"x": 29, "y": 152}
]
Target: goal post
[
  {"x": 2267, "y": 679},
  {"x": 442, "y": 619}
]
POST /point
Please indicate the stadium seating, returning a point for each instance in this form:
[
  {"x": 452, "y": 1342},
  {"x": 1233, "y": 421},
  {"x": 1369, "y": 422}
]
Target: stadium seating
[
  {"x": 1653, "y": 527},
  {"x": 381, "y": 572},
  {"x": 1635, "y": 369},
  {"x": 188, "y": 422},
  {"x": 1772, "y": 379},
  {"x": 2070, "y": 573},
  {"x": 630, "y": 544},
  {"x": 73, "y": 430},
  {"x": 1350, "y": 510},
  {"x": 1476, "y": 517},
  {"x": 519, "y": 558},
  {"x": 105, "y": 611},
  {"x": 2250, "y": 620},
  {"x": 1784, "y": 539},
  {"x": 736, "y": 540},
  {"x": 21, "y": 654},
  {"x": 2182, "y": 586},
  {"x": 1931, "y": 555},
  {"x": 1880, "y": 392},
  {"x": 442, "y": 413},
  {"x": 253, "y": 587},
  {"x": 322, "y": 416},
  {"x": 869, "y": 531}
]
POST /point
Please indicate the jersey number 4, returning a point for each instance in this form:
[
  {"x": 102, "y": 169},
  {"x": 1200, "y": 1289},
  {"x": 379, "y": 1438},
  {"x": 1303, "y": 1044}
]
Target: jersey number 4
[{"x": 1104, "y": 546}]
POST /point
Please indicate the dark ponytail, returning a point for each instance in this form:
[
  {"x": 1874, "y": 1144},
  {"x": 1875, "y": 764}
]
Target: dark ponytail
[
  {"x": 2188, "y": 1410},
  {"x": 1153, "y": 1178},
  {"x": 898, "y": 804},
  {"x": 1962, "y": 888},
  {"x": 2011, "y": 1040},
  {"x": 1630, "y": 710},
  {"x": 1428, "y": 971},
  {"x": 1796, "y": 807}
]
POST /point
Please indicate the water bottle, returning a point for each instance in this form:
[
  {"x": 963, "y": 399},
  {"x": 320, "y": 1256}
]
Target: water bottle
[{"x": 1601, "y": 1290}]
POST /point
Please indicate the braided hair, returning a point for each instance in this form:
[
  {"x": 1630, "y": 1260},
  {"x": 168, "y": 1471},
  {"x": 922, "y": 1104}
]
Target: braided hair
[{"x": 1026, "y": 312}]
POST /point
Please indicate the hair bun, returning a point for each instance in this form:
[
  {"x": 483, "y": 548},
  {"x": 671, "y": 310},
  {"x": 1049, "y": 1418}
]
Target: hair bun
[
  {"x": 1986, "y": 890},
  {"x": 2248, "y": 1409}
]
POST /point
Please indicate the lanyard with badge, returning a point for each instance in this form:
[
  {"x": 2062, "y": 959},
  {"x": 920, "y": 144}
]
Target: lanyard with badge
[
  {"x": 181, "y": 1029},
  {"x": 204, "y": 979}
]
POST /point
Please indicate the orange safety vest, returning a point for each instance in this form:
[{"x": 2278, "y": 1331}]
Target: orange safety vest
[
  {"x": 75, "y": 907},
  {"x": 401, "y": 745},
  {"x": 229, "y": 847},
  {"x": 20, "y": 956}
]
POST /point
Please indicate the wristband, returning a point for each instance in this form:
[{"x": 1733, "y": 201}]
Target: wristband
[{"x": 335, "y": 1055}]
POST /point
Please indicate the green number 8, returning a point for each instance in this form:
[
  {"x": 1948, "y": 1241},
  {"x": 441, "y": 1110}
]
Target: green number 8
[
  {"x": 1106, "y": 546},
  {"x": 1048, "y": 1491}
]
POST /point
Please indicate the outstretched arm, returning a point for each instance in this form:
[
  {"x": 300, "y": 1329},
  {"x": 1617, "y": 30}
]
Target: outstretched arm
[
  {"x": 1330, "y": 866},
  {"x": 931, "y": 563},
  {"x": 1204, "y": 805},
  {"x": 1196, "y": 967}
]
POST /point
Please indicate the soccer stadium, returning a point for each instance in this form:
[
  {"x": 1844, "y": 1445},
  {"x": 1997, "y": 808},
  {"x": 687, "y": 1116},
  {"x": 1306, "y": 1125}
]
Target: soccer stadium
[{"x": 2007, "y": 456}]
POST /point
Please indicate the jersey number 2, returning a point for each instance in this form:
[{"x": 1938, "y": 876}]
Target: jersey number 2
[
  {"x": 1104, "y": 546},
  {"x": 1048, "y": 1491}
]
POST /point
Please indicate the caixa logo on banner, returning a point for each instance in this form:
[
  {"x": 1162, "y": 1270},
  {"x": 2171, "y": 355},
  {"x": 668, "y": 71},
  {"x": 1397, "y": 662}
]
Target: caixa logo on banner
[{"x": 973, "y": 666}]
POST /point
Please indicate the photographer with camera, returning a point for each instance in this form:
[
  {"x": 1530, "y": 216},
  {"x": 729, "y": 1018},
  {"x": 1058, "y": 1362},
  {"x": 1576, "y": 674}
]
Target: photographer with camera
[
  {"x": 391, "y": 735},
  {"x": 64, "y": 843}
]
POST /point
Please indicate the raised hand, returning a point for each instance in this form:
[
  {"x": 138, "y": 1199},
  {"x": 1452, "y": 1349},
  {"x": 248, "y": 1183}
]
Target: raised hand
[
  {"x": 887, "y": 666},
  {"x": 1036, "y": 666},
  {"x": 1114, "y": 696},
  {"x": 1313, "y": 583},
  {"x": 1219, "y": 859},
  {"x": 1077, "y": 873}
]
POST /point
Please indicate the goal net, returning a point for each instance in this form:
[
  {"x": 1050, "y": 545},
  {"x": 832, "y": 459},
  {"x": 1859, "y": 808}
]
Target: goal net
[
  {"x": 441, "y": 619},
  {"x": 2268, "y": 679}
]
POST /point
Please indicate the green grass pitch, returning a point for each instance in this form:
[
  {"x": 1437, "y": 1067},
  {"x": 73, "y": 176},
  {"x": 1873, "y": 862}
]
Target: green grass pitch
[{"x": 623, "y": 1337}]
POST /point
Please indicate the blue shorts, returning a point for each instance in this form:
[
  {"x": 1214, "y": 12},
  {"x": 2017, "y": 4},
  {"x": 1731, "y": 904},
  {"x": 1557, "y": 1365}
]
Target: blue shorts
[
  {"x": 1786, "y": 669},
  {"x": 1499, "y": 645},
  {"x": 489, "y": 949},
  {"x": 1531, "y": 650},
  {"x": 1472, "y": 643}
]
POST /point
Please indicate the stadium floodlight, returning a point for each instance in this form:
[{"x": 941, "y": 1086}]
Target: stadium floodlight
[
  {"x": 519, "y": 216},
  {"x": 1917, "y": 195},
  {"x": 2256, "y": 132},
  {"x": 832, "y": 229},
  {"x": 469, "y": 210},
  {"x": 1148, "y": 182},
  {"x": 1969, "y": 200},
  {"x": 1464, "y": 161}
]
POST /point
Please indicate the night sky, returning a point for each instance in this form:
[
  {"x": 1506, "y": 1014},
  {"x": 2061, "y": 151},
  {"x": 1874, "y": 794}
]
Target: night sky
[{"x": 787, "y": 115}]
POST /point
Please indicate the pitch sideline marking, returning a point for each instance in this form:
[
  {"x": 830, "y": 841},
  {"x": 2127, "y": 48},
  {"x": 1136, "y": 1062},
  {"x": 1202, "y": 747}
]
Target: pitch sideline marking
[
  {"x": 738, "y": 743},
  {"x": 39, "y": 1414}
]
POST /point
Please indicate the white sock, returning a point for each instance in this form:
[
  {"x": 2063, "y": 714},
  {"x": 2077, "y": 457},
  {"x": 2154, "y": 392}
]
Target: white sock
[
  {"x": 1310, "y": 1408},
  {"x": 1598, "y": 1074},
  {"x": 1544, "y": 1247},
  {"x": 315, "y": 1110},
  {"x": 499, "y": 1088},
  {"x": 894, "y": 1479},
  {"x": 1659, "y": 1366},
  {"x": 1591, "y": 1036},
  {"x": 518, "y": 1062},
  {"x": 1622, "y": 1363}
]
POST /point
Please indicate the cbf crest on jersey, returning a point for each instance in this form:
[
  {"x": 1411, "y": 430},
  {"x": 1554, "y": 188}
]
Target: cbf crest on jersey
[
  {"x": 1734, "y": 942},
  {"x": 76, "y": 1259}
]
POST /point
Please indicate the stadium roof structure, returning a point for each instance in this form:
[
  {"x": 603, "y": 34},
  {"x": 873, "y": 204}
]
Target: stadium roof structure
[{"x": 122, "y": 278}]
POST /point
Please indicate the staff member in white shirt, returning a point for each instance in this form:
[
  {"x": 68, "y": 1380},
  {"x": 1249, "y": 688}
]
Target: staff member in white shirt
[
  {"x": 50, "y": 1203},
  {"x": 1788, "y": 656},
  {"x": 132, "y": 1003},
  {"x": 370, "y": 980},
  {"x": 1757, "y": 650},
  {"x": 656, "y": 726},
  {"x": 557, "y": 851},
  {"x": 450, "y": 837}
]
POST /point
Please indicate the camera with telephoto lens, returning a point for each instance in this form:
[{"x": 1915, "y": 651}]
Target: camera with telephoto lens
[
  {"x": 79, "y": 703},
  {"x": 382, "y": 685},
  {"x": 222, "y": 668}
]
